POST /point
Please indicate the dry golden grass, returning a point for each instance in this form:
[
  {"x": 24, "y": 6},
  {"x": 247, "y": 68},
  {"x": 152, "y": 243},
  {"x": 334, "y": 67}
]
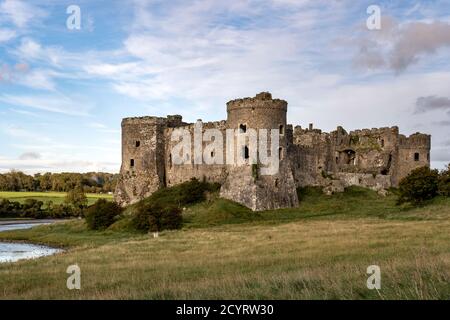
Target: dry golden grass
[{"x": 307, "y": 259}]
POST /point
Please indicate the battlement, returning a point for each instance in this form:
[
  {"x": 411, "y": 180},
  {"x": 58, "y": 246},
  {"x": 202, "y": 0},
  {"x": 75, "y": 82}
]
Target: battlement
[
  {"x": 262, "y": 100},
  {"x": 375, "y": 131},
  {"x": 415, "y": 140},
  {"x": 144, "y": 120},
  {"x": 170, "y": 120}
]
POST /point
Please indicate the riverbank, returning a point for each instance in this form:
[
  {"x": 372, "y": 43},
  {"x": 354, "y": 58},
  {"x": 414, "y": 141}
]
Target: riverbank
[
  {"x": 318, "y": 251},
  {"x": 14, "y": 251}
]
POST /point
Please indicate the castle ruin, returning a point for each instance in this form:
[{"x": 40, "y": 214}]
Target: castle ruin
[{"x": 372, "y": 158}]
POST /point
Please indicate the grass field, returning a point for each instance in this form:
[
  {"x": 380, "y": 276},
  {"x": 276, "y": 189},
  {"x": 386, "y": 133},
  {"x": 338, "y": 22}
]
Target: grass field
[
  {"x": 318, "y": 251},
  {"x": 56, "y": 197}
]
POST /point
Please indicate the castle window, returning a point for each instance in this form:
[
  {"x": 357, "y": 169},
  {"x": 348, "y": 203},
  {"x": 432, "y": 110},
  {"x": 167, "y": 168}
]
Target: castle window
[
  {"x": 281, "y": 129},
  {"x": 243, "y": 128},
  {"x": 428, "y": 156},
  {"x": 212, "y": 154},
  {"x": 276, "y": 182},
  {"x": 280, "y": 153},
  {"x": 132, "y": 163},
  {"x": 246, "y": 153},
  {"x": 138, "y": 144},
  {"x": 416, "y": 156},
  {"x": 170, "y": 161},
  {"x": 382, "y": 143}
]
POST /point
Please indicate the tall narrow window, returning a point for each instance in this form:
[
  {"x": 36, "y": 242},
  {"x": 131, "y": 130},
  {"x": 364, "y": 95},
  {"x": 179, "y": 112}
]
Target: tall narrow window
[
  {"x": 428, "y": 156},
  {"x": 138, "y": 144},
  {"x": 243, "y": 128},
  {"x": 246, "y": 153},
  {"x": 416, "y": 156},
  {"x": 132, "y": 163},
  {"x": 280, "y": 153},
  {"x": 281, "y": 129},
  {"x": 382, "y": 143}
]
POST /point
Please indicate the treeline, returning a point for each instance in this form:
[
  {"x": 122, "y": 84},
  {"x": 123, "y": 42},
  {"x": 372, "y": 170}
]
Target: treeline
[
  {"x": 92, "y": 182},
  {"x": 34, "y": 209},
  {"x": 74, "y": 205}
]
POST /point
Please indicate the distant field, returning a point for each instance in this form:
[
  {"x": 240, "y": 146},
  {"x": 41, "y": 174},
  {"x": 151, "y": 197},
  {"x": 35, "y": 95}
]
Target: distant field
[{"x": 56, "y": 197}]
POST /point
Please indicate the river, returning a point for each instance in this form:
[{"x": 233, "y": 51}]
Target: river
[{"x": 15, "y": 251}]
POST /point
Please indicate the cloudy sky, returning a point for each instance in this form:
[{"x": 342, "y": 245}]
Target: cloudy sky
[{"x": 63, "y": 92}]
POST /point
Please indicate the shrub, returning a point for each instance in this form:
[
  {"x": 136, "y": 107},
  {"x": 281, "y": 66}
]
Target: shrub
[
  {"x": 61, "y": 211},
  {"x": 77, "y": 198},
  {"x": 102, "y": 214},
  {"x": 186, "y": 193},
  {"x": 154, "y": 217},
  {"x": 444, "y": 182},
  {"x": 420, "y": 185}
]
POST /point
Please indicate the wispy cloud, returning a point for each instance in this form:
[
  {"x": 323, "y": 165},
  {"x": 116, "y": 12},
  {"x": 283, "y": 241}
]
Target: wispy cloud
[
  {"x": 7, "y": 34},
  {"x": 19, "y": 13},
  {"x": 29, "y": 156},
  {"x": 51, "y": 103}
]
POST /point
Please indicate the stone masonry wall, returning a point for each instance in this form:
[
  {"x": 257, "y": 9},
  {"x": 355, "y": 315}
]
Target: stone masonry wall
[{"x": 376, "y": 158}]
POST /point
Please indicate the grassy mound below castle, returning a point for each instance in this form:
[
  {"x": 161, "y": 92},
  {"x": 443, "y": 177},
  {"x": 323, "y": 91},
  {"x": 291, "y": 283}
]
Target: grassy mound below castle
[{"x": 320, "y": 250}]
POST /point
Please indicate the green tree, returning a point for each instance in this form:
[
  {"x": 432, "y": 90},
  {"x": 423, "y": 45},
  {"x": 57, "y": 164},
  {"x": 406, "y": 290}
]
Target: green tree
[
  {"x": 77, "y": 198},
  {"x": 420, "y": 185},
  {"x": 102, "y": 214}
]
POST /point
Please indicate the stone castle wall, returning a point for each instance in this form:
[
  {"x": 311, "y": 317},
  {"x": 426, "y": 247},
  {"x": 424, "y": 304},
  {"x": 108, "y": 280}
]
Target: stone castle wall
[{"x": 376, "y": 158}]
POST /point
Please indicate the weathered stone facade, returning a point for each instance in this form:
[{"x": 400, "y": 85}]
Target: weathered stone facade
[{"x": 373, "y": 158}]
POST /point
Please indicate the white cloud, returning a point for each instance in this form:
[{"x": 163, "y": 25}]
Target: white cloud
[
  {"x": 51, "y": 103},
  {"x": 7, "y": 34},
  {"x": 18, "y": 12}
]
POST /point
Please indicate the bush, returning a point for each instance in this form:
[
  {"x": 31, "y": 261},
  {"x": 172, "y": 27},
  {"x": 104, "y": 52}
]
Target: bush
[
  {"x": 102, "y": 214},
  {"x": 154, "y": 217},
  {"x": 77, "y": 198},
  {"x": 186, "y": 193},
  {"x": 420, "y": 185},
  {"x": 444, "y": 182}
]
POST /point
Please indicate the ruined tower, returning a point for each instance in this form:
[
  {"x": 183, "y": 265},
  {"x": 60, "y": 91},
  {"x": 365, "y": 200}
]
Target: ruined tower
[{"x": 245, "y": 183}]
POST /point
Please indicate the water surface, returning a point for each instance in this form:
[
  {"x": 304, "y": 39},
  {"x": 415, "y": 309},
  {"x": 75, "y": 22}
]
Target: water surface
[{"x": 15, "y": 251}]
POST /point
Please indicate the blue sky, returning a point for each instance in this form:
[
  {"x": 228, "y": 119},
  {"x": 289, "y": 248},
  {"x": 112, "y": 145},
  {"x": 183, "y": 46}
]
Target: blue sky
[{"x": 64, "y": 92}]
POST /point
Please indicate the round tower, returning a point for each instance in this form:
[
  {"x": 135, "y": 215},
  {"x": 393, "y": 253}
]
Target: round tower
[
  {"x": 260, "y": 112},
  {"x": 250, "y": 182}
]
